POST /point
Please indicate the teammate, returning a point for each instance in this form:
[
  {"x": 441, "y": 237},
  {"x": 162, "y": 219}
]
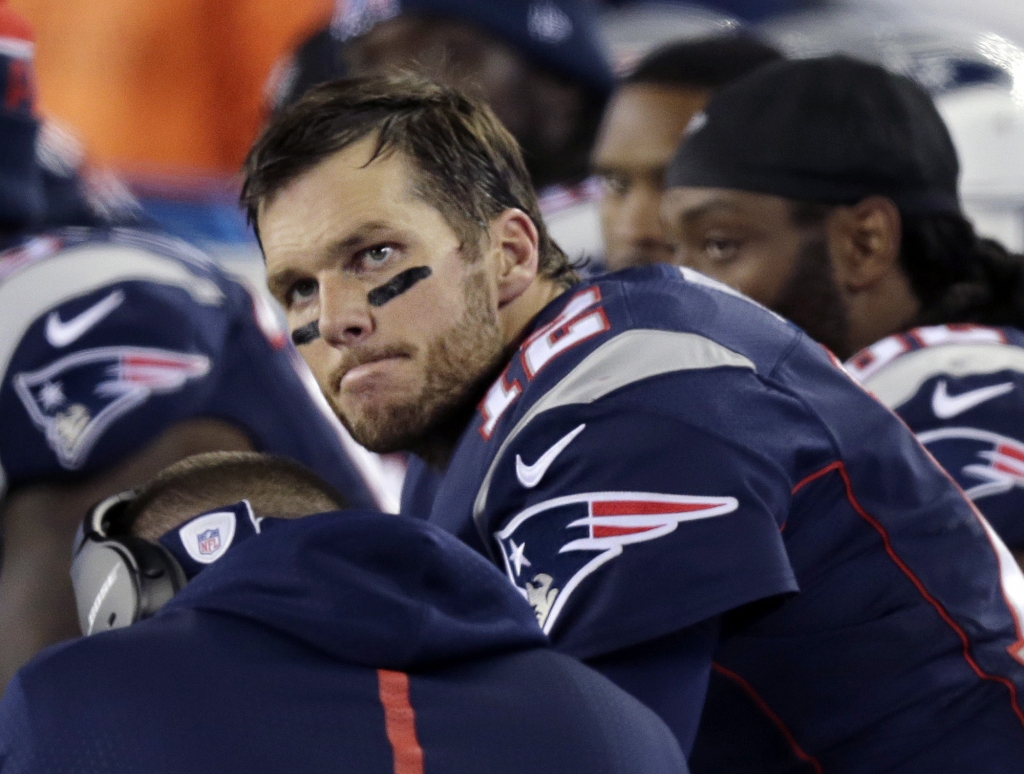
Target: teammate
[
  {"x": 348, "y": 639},
  {"x": 641, "y": 129},
  {"x": 860, "y": 239},
  {"x": 669, "y": 473},
  {"x": 121, "y": 351}
]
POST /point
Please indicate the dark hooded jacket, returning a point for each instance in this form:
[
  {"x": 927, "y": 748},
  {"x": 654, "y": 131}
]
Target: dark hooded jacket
[{"x": 343, "y": 642}]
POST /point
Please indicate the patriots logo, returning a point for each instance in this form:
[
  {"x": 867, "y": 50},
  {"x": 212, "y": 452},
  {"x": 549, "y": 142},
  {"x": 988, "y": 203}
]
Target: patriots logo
[
  {"x": 551, "y": 547},
  {"x": 73, "y": 400},
  {"x": 983, "y": 463}
]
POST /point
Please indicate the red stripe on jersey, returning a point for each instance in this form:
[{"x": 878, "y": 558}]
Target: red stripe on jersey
[
  {"x": 151, "y": 361},
  {"x": 1010, "y": 451},
  {"x": 644, "y": 507},
  {"x": 960, "y": 633},
  {"x": 400, "y": 721},
  {"x": 1007, "y": 467},
  {"x": 814, "y": 476},
  {"x": 763, "y": 706},
  {"x": 602, "y": 532}
]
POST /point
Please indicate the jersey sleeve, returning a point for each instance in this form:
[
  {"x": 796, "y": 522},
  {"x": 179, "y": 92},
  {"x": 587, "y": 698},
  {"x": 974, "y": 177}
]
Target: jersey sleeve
[
  {"x": 97, "y": 375},
  {"x": 961, "y": 390},
  {"x": 620, "y": 524},
  {"x": 16, "y": 734}
]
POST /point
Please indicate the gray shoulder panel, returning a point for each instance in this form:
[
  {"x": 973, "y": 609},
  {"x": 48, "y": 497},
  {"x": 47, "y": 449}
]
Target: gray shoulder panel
[
  {"x": 630, "y": 357},
  {"x": 900, "y": 381}
]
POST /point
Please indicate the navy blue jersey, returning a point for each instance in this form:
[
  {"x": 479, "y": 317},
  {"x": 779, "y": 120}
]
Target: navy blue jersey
[
  {"x": 109, "y": 337},
  {"x": 341, "y": 642},
  {"x": 419, "y": 488},
  {"x": 662, "y": 453},
  {"x": 961, "y": 389}
]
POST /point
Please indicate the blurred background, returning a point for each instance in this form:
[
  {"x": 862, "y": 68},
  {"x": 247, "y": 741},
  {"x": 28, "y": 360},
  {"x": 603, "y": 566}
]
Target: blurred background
[{"x": 161, "y": 99}]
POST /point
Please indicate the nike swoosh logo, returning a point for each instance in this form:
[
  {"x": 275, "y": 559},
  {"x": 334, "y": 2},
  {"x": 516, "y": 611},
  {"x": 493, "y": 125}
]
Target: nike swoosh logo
[
  {"x": 530, "y": 475},
  {"x": 945, "y": 405},
  {"x": 61, "y": 333}
]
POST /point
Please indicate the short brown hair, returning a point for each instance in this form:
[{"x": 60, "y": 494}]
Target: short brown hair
[
  {"x": 469, "y": 167},
  {"x": 274, "y": 486}
]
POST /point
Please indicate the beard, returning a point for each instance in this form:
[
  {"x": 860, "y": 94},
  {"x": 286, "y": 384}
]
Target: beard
[
  {"x": 811, "y": 298},
  {"x": 459, "y": 366}
]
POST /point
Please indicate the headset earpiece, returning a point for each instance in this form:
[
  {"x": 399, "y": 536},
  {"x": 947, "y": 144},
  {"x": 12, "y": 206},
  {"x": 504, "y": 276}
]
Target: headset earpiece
[{"x": 119, "y": 578}]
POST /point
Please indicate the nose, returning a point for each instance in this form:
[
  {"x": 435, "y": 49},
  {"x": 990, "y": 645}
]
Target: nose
[{"x": 345, "y": 314}]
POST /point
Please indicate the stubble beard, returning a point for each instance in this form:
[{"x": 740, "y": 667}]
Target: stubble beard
[{"x": 460, "y": 365}]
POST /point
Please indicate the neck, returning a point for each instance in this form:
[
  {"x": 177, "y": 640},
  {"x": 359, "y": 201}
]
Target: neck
[{"x": 517, "y": 314}]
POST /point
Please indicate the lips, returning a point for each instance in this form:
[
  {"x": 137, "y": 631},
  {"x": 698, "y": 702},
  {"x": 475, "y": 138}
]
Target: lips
[
  {"x": 364, "y": 372},
  {"x": 363, "y": 366}
]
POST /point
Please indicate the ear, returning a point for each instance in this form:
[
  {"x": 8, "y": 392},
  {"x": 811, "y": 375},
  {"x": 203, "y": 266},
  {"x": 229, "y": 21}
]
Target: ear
[
  {"x": 864, "y": 240},
  {"x": 514, "y": 245}
]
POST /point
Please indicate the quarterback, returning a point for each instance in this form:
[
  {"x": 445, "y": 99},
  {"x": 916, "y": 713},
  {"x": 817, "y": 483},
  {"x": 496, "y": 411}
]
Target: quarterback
[{"x": 679, "y": 481}]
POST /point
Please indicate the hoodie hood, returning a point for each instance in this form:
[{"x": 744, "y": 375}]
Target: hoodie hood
[{"x": 382, "y": 591}]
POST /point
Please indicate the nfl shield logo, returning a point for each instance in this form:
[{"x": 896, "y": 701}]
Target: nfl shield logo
[{"x": 209, "y": 541}]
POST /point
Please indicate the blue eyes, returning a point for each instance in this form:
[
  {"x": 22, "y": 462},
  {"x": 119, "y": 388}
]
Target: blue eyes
[
  {"x": 376, "y": 256},
  {"x": 368, "y": 259}
]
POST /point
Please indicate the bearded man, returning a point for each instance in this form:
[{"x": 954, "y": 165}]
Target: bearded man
[{"x": 679, "y": 481}]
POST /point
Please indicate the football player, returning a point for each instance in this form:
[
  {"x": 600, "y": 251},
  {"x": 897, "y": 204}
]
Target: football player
[
  {"x": 641, "y": 129},
  {"x": 541, "y": 67},
  {"x": 679, "y": 481},
  {"x": 827, "y": 190},
  {"x": 122, "y": 351}
]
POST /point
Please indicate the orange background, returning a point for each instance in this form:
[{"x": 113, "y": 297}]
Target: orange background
[{"x": 163, "y": 86}]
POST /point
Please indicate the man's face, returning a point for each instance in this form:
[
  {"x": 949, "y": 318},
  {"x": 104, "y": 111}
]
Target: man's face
[
  {"x": 752, "y": 243},
  {"x": 639, "y": 134},
  {"x": 399, "y": 373}
]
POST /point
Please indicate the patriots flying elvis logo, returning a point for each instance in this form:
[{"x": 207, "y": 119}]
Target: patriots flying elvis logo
[
  {"x": 551, "y": 547},
  {"x": 983, "y": 463},
  {"x": 73, "y": 400}
]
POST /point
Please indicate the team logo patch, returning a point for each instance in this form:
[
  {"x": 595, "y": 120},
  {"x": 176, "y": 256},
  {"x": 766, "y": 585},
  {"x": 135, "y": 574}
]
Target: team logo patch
[
  {"x": 76, "y": 398},
  {"x": 551, "y": 547},
  {"x": 982, "y": 462}
]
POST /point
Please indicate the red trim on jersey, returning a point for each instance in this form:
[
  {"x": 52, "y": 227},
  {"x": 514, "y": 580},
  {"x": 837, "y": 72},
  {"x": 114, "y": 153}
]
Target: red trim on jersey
[
  {"x": 400, "y": 721},
  {"x": 840, "y": 467},
  {"x": 814, "y": 476},
  {"x": 763, "y": 706}
]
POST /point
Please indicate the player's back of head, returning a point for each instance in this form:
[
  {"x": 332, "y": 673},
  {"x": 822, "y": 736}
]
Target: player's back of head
[{"x": 274, "y": 486}]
